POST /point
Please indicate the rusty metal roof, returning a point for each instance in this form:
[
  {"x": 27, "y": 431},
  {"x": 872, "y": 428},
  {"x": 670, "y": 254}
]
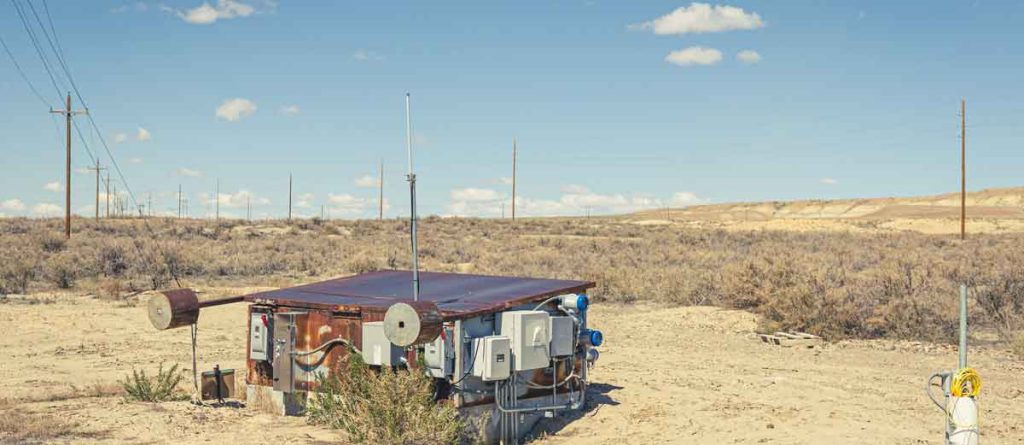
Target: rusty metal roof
[{"x": 456, "y": 295}]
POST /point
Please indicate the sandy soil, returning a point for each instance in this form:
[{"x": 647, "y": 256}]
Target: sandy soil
[{"x": 678, "y": 375}]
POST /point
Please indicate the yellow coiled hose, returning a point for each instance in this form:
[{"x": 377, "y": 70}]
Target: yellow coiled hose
[{"x": 966, "y": 383}]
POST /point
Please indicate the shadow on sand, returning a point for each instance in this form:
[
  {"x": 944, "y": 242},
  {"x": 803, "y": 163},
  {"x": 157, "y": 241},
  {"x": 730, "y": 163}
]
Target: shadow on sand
[{"x": 598, "y": 395}]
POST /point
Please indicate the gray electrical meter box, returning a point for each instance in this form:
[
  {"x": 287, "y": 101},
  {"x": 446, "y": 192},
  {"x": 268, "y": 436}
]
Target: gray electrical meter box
[
  {"x": 530, "y": 334},
  {"x": 561, "y": 336},
  {"x": 493, "y": 358},
  {"x": 439, "y": 355},
  {"x": 259, "y": 336},
  {"x": 377, "y": 350}
]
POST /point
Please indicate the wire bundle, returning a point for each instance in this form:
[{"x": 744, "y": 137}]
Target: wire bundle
[{"x": 966, "y": 383}]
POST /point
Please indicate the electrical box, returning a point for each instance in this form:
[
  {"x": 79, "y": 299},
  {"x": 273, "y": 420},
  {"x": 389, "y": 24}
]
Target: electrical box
[
  {"x": 562, "y": 336},
  {"x": 377, "y": 350},
  {"x": 284, "y": 344},
  {"x": 530, "y": 335},
  {"x": 492, "y": 358},
  {"x": 439, "y": 356},
  {"x": 259, "y": 336}
]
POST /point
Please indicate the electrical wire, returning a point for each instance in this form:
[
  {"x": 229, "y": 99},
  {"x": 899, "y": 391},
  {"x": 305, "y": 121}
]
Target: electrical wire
[
  {"x": 966, "y": 382},
  {"x": 21, "y": 72}
]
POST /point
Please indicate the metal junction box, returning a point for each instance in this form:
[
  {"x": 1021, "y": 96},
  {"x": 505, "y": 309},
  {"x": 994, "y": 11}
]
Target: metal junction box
[
  {"x": 284, "y": 344},
  {"x": 259, "y": 336},
  {"x": 492, "y": 358},
  {"x": 530, "y": 336},
  {"x": 377, "y": 350},
  {"x": 561, "y": 336},
  {"x": 439, "y": 355}
]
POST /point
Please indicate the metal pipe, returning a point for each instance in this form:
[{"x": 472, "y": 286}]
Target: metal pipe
[
  {"x": 412, "y": 201},
  {"x": 963, "y": 326}
]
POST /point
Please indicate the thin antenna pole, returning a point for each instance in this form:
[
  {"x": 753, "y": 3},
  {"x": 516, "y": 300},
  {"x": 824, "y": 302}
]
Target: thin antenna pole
[
  {"x": 380, "y": 192},
  {"x": 514, "y": 156},
  {"x": 248, "y": 208},
  {"x": 179, "y": 201},
  {"x": 963, "y": 169},
  {"x": 412, "y": 202},
  {"x": 289, "y": 197},
  {"x": 216, "y": 204}
]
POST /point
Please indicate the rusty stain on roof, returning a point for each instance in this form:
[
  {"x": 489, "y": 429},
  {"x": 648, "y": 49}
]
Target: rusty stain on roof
[{"x": 456, "y": 295}]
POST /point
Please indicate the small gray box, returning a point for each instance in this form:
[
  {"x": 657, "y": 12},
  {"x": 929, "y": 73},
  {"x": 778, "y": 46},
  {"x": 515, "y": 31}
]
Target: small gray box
[
  {"x": 561, "y": 336},
  {"x": 259, "y": 337},
  {"x": 438, "y": 355},
  {"x": 377, "y": 350},
  {"x": 493, "y": 359}
]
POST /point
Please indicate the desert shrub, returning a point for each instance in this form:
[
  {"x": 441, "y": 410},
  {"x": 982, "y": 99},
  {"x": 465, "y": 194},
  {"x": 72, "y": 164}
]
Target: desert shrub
[
  {"x": 362, "y": 263},
  {"x": 62, "y": 270},
  {"x": 17, "y": 272},
  {"x": 22, "y": 428},
  {"x": 1018, "y": 346},
  {"x": 159, "y": 388},
  {"x": 386, "y": 407},
  {"x": 113, "y": 260},
  {"x": 51, "y": 242}
]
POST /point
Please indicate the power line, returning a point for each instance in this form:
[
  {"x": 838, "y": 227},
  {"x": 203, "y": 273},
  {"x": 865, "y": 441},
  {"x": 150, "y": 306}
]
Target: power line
[
  {"x": 35, "y": 44},
  {"x": 22, "y": 73}
]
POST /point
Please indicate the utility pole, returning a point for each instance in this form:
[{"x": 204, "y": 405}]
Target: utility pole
[
  {"x": 963, "y": 169},
  {"x": 380, "y": 192},
  {"x": 97, "y": 169},
  {"x": 248, "y": 208},
  {"x": 289, "y": 197},
  {"x": 68, "y": 113},
  {"x": 514, "y": 156},
  {"x": 216, "y": 214},
  {"x": 179, "y": 201},
  {"x": 107, "y": 206},
  {"x": 149, "y": 204}
]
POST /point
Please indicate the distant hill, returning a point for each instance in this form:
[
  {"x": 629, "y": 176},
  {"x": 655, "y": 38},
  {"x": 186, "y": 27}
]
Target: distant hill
[{"x": 986, "y": 208}]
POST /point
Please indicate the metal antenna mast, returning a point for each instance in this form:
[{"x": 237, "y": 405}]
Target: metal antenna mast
[
  {"x": 412, "y": 201},
  {"x": 515, "y": 156},
  {"x": 963, "y": 169}
]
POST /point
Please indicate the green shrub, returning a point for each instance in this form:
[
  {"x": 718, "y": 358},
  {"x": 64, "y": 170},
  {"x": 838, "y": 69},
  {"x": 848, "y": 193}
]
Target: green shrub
[
  {"x": 159, "y": 388},
  {"x": 386, "y": 407}
]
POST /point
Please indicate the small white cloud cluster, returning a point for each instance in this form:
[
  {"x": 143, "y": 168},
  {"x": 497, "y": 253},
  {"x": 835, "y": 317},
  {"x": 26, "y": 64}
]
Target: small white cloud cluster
[
  {"x": 192, "y": 173},
  {"x": 703, "y": 18},
  {"x": 52, "y": 186},
  {"x": 207, "y": 14},
  {"x": 349, "y": 205},
  {"x": 233, "y": 110},
  {"x": 363, "y": 55},
  {"x": 237, "y": 200}
]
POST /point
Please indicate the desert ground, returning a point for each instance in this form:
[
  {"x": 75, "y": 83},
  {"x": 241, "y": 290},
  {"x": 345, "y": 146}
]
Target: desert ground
[
  {"x": 680, "y": 296},
  {"x": 666, "y": 375}
]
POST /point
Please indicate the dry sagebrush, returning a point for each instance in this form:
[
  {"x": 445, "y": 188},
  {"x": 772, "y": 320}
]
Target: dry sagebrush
[{"x": 901, "y": 285}]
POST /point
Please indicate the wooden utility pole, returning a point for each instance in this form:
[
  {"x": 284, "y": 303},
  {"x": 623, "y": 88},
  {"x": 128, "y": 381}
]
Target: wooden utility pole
[
  {"x": 68, "y": 113},
  {"x": 289, "y": 197},
  {"x": 514, "y": 156},
  {"x": 963, "y": 169},
  {"x": 179, "y": 201},
  {"x": 97, "y": 169},
  {"x": 380, "y": 193},
  {"x": 107, "y": 206},
  {"x": 149, "y": 204}
]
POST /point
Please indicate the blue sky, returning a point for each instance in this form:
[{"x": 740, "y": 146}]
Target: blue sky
[{"x": 616, "y": 105}]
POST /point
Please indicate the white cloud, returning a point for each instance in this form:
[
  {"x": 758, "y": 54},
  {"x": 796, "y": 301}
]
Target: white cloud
[
  {"x": 120, "y": 138},
  {"x": 237, "y": 200},
  {"x": 184, "y": 171},
  {"x": 207, "y": 14},
  {"x": 52, "y": 186},
  {"x": 12, "y": 205},
  {"x": 233, "y": 110},
  {"x": 474, "y": 194},
  {"x": 137, "y": 7},
  {"x": 685, "y": 199},
  {"x": 748, "y": 56},
  {"x": 366, "y": 182},
  {"x": 349, "y": 205},
  {"x": 305, "y": 200},
  {"x": 47, "y": 209},
  {"x": 290, "y": 110},
  {"x": 828, "y": 181},
  {"x": 135, "y": 160},
  {"x": 143, "y": 135},
  {"x": 701, "y": 18},
  {"x": 507, "y": 180},
  {"x": 363, "y": 55},
  {"x": 694, "y": 55}
]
